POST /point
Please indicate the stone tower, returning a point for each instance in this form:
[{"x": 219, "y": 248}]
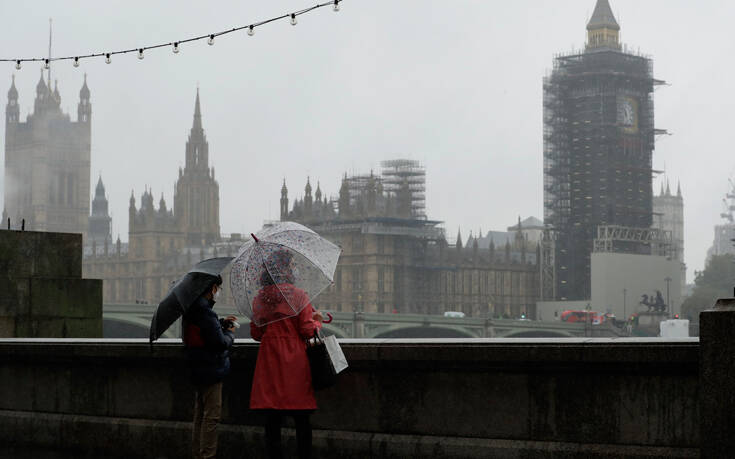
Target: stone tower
[
  {"x": 47, "y": 161},
  {"x": 284, "y": 201},
  {"x": 668, "y": 212},
  {"x": 599, "y": 137},
  {"x": 100, "y": 231},
  {"x": 196, "y": 200}
]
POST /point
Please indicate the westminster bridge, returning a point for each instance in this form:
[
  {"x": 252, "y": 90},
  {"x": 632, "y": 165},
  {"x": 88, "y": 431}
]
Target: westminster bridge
[{"x": 133, "y": 321}]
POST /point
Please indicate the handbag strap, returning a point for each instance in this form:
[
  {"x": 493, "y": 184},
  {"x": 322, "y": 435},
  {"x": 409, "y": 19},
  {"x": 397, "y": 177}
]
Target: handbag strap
[{"x": 316, "y": 339}]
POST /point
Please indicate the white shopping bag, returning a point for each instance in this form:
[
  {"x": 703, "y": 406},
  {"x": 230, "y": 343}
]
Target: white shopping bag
[{"x": 335, "y": 353}]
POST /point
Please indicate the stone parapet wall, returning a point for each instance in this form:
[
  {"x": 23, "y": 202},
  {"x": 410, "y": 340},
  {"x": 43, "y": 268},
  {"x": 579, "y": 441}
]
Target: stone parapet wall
[{"x": 399, "y": 398}]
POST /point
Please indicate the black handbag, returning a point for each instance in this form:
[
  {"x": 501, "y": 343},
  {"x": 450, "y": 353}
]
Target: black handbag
[{"x": 322, "y": 370}]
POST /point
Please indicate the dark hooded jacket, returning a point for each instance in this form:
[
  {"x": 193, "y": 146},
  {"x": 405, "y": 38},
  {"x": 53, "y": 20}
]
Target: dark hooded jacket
[{"x": 207, "y": 345}]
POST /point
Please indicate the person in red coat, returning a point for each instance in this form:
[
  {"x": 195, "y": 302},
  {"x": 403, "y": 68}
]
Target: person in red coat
[{"x": 282, "y": 381}]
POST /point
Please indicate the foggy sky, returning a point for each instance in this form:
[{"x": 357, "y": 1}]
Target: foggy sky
[{"x": 455, "y": 84}]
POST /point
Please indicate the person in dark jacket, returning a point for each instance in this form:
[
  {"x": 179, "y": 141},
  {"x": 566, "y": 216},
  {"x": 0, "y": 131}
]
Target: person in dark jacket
[{"x": 207, "y": 349}]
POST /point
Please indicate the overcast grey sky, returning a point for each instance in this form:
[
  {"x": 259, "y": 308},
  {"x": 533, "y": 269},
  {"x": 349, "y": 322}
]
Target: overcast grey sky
[{"x": 454, "y": 83}]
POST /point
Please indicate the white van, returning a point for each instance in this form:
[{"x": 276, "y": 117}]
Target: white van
[{"x": 455, "y": 314}]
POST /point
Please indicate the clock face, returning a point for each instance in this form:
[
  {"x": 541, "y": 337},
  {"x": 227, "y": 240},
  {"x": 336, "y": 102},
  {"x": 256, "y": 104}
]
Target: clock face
[{"x": 628, "y": 114}]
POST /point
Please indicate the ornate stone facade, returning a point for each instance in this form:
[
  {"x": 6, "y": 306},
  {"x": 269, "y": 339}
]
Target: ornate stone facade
[
  {"x": 396, "y": 260},
  {"x": 164, "y": 243},
  {"x": 47, "y": 161},
  {"x": 668, "y": 214}
]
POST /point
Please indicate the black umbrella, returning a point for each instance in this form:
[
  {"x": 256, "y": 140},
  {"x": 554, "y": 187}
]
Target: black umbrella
[{"x": 184, "y": 292}]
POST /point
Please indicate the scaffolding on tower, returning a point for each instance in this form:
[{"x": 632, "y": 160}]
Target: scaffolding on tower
[{"x": 405, "y": 180}]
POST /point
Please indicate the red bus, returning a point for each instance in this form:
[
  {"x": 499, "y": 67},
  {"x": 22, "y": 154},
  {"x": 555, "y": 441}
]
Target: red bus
[{"x": 592, "y": 317}]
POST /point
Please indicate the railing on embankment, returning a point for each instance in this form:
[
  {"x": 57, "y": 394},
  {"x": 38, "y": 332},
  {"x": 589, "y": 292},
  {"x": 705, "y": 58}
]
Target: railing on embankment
[{"x": 399, "y": 398}]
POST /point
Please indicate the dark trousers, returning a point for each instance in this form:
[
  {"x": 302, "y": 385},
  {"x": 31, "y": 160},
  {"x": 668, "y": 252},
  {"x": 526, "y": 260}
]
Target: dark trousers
[
  {"x": 274, "y": 419},
  {"x": 207, "y": 412}
]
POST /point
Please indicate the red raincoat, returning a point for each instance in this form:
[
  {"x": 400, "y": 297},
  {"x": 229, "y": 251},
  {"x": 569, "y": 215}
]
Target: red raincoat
[{"x": 282, "y": 379}]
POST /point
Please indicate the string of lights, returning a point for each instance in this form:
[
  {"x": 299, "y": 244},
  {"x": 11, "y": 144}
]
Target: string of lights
[{"x": 175, "y": 45}]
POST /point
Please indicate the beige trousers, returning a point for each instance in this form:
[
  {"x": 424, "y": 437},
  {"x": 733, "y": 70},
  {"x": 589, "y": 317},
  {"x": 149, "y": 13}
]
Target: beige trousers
[{"x": 207, "y": 412}]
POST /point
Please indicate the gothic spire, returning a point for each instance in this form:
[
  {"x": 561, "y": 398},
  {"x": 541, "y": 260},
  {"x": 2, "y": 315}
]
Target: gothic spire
[
  {"x": 197, "y": 149},
  {"x": 603, "y": 17},
  {"x": 678, "y": 189},
  {"x": 307, "y": 188},
  {"x": 100, "y": 189},
  {"x": 41, "y": 87},
  {"x": 197, "y": 113},
  {"x": 84, "y": 92},
  {"x": 12, "y": 92}
]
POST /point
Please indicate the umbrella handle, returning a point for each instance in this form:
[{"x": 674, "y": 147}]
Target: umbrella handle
[
  {"x": 254, "y": 237},
  {"x": 330, "y": 319}
]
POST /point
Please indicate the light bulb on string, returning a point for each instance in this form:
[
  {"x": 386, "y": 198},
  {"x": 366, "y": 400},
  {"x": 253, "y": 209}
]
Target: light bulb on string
[{"x": 175, "y": 48}]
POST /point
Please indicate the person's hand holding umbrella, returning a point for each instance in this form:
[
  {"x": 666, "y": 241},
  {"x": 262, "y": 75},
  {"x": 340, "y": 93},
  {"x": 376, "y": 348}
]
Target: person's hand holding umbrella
[{"x": 183, "y": 293}]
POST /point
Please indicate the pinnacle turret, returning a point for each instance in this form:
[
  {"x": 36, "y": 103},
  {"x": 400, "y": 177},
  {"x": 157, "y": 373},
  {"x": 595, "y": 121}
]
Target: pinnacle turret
[
  {"x": 12, "y": 92},
  {"x": 197, "y": 113},
  {"x": 84, "y": 92},
  {"x": 41, "y": 87},
  {"x": 100, "y": 188}
]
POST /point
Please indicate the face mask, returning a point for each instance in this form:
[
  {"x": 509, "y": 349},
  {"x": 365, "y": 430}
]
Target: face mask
[{"x": 217, "y": 294}]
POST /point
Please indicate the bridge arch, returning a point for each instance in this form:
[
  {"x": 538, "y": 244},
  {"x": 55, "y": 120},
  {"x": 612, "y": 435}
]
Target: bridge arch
[
  {"x": 418, "y": 331},
  {"x": 536, "y": 334}
]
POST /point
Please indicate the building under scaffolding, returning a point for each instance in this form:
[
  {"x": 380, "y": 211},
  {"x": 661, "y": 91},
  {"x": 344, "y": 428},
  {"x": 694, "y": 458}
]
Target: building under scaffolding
[
  {"x": 395, "y": 259},
  {"x": 599, "y": 138}
]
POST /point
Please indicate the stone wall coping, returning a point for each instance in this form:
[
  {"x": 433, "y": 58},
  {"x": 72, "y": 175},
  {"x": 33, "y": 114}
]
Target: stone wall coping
[
  {"x": 374, "y": 341},
  {"x": 606, "y": 354}
]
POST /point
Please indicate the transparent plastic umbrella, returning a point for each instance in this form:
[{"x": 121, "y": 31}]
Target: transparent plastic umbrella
[{"x": 280, "y": 271}]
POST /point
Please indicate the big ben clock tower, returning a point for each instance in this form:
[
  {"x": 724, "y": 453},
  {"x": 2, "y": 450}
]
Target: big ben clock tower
[{"x": 598, "y": 144}]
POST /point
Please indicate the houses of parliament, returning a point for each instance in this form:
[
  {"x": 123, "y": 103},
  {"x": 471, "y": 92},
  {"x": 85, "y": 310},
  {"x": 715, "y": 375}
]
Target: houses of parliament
[{"x": 395, "y": 260}]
